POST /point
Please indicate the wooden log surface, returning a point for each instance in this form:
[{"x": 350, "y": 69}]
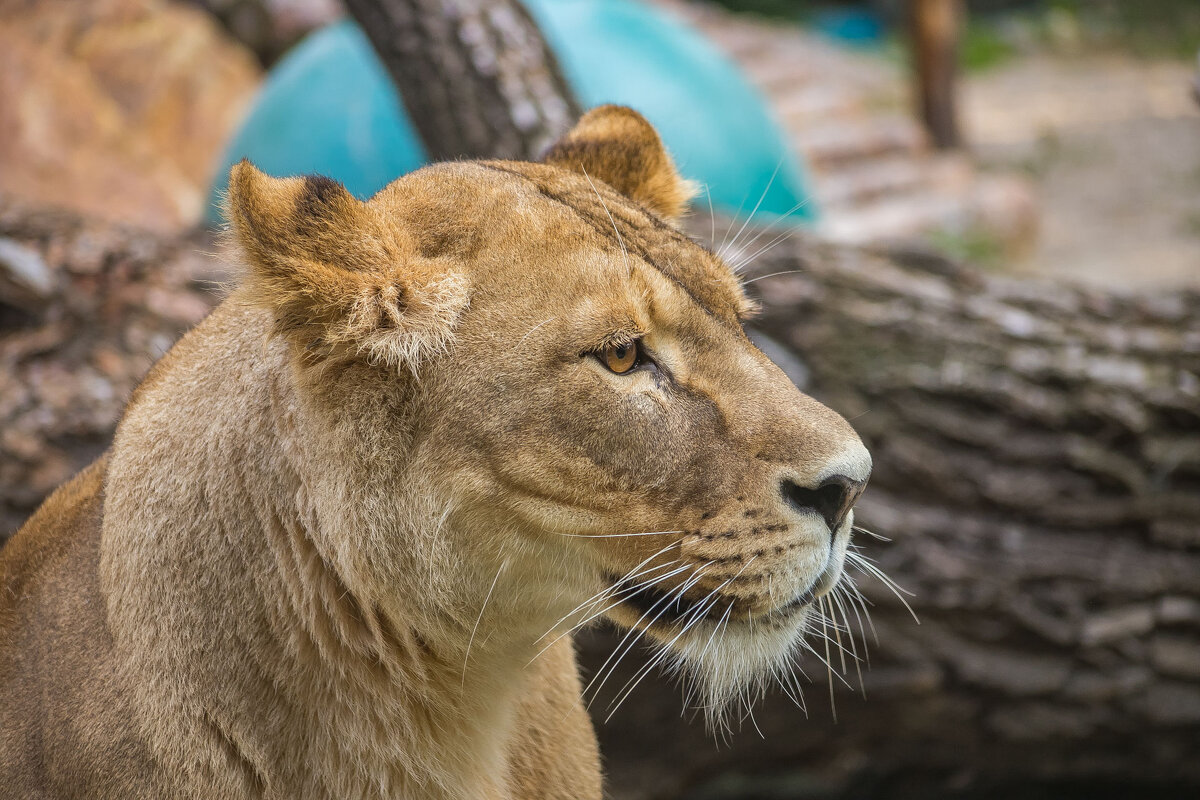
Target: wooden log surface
[
  {"x": 76, "y": 340},
  {"x": 475, "y": 75},
  {"x": 935, "y": 28}
]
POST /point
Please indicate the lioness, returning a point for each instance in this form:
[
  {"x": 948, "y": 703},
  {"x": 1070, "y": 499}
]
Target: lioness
[{"x": 347, "y": 519}]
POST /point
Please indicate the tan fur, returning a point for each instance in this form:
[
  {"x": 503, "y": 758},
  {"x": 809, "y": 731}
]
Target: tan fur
[
  {"x": 343, "y": 517},
  {"x": 617, "y": 145}
]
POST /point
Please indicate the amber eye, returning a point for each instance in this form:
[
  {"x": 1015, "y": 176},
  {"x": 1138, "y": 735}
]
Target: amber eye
[{"x": 620, "y": 358}]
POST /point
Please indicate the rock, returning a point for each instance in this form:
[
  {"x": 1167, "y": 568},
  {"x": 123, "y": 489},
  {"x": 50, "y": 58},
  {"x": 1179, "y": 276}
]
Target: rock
[
  {"x": 1037, "y": 721},
  {"x": 23, "y": 275},
  {"x": 119, "y": 108},
  {"x": 53, "y": 468},
  {"x": 21, "y": 444},
  {"x": 1015, "y": 674},
  {"x": 183, "y": 308},
  {"x": 1175, "y": 610},
  {"x": 1094, "y": 686},
  {"x": 1006, "y": 206}
]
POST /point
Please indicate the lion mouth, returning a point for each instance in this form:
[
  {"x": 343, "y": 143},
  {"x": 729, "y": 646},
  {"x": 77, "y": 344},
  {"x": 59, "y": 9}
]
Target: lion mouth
[{"x": 659, "y": 607}]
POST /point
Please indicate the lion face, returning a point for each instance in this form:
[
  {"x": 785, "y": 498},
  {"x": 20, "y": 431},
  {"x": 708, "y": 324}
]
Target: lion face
[{"x": 589, "y": 393}]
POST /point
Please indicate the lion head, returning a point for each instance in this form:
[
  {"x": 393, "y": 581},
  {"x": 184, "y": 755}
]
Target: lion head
[{"x": 522, "y": 388}]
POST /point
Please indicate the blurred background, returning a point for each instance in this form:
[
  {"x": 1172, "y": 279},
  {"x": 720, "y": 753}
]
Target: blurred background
[{"x": 975, "y": 229}]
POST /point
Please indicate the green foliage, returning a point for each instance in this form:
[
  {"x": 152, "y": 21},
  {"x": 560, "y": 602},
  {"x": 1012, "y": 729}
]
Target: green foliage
[
  {"x": 1144, "y": 27},
  {"x": 974, "y": 246},
  {"x": 983, "y": 47},
  {"x": 1151, "y": 28},
  {"x": 1191, "y": 224},
  {"x": 777, "y": 9}
]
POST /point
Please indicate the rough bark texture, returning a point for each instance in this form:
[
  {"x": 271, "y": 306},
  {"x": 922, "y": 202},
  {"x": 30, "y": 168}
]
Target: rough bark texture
[
  {"x": 269, "y": 27},
  {"x": 85, "y": 308},
  {"x": 1037, "y": 453},
  {"x": 935, "y": 28},
  {"x": 475, "y": 75}
]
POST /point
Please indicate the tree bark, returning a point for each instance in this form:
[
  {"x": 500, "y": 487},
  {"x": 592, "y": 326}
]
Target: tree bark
[
  {"x": 935, "y": 26},
  {"x": 86, "y": 307},
  {"x": 476, "y": 76}
]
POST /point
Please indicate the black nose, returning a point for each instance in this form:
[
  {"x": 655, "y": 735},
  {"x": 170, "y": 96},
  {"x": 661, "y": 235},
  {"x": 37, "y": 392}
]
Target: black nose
[{"x": 833, "y": 499}]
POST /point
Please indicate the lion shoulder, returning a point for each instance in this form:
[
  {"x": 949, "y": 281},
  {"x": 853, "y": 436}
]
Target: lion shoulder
[{"x": 55, "y": 684}]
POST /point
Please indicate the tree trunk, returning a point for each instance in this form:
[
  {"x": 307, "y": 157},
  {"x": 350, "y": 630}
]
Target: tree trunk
[
  {"x": 935, "y": 28},
  {"x": 475, "y": 75}
]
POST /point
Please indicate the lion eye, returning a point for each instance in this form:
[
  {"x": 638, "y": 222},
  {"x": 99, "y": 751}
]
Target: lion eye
[{"x": 620, "y": 358}]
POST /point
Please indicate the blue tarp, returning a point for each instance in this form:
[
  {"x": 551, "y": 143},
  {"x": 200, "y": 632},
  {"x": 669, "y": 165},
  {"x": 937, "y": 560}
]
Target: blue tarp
[{"x": 329, "y": 107}]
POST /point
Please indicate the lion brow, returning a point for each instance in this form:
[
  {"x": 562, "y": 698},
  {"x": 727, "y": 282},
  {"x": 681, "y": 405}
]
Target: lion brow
[{"x": 609, "y": 232}]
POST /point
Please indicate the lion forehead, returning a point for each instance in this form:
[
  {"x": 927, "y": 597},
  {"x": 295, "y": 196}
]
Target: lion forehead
[{"x": 620, "y": 225}]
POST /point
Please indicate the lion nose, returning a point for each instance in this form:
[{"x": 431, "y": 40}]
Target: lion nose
[{"x": 832, "y": 499}]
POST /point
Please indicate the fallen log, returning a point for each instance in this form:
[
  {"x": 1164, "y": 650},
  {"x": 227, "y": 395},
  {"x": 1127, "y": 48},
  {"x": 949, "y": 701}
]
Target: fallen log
[{"x": 85, "y": 308}]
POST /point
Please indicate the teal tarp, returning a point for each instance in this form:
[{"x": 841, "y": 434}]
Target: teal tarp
[{"x": 329, "y": 107}]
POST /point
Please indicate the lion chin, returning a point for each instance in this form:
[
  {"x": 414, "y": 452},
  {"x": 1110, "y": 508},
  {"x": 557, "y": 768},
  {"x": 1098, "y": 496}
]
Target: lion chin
[
  {"x": 730, "y": 678},
  {"x": 726, "y": 656},
  {"x": 348, "y": 524}
]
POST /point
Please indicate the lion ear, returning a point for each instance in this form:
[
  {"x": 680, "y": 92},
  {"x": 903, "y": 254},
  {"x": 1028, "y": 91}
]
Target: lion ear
[
  {"x": 617, "y": 145},
  {"x": 337, "y": 275}
]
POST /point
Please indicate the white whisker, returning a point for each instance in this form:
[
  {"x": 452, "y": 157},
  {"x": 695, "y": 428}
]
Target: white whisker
[
  {"x": 620, "y": 241},
  {"x": 788, "y": 230},
  {"x": 791, "y": 684},
  {"x": 612, "y": 587},
  {"x": 837, "y": 588},
  {"x": 855, "y": 594},
  {"x": 633, "y": 630},
  {"x": 668, "y": 599},
  {"x": 832, "y": 702},
  {"x": 717, "y": 627},
  {"x": 608, "y": 594},
  {"x": 865, "y": 563},
  {"x": 836, "y": 605},
  {"x": 860, "y": 529},
  {"x": 478, "y": 619},
  {"x": 633, "y": 591},
  {"x": 691, "y": 620},
  {"x": 757, "y": 205},
  {"x": 772, "y": 275},
  {"x": 613, "y": 535},
  {"x": 732, "y": 221},
  {"x": 531, "y": 330},
  {"x": 696, "y": 614},
  {"x": 712, "y": 217}
]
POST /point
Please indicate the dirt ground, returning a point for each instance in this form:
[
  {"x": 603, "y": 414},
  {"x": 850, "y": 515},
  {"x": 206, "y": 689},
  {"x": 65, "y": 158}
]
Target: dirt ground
[{"x": 1113, "y": 146}]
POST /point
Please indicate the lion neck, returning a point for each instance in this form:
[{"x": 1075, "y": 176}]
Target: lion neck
[{"x": 275, "y": 626}]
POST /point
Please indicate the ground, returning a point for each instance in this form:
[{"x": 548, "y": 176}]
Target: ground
[
  {"x": 1112, "y": 144},
  {"x": 1083, "y": 159}
]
